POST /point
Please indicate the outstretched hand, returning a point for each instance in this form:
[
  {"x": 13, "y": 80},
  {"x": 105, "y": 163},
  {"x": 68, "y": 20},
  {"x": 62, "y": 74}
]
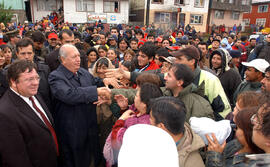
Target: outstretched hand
[
  {"x": 122, "y": 101},
  {"x": 213, "y": 145}
]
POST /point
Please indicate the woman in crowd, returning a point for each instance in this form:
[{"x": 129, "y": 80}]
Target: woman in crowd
[
  {"x": 92, "y": 55},
  {"x": 102, "y": 51},
  {"x": 233, "y": 154},
  {"x": 129, "y": 55},
  {"x": 2, "y": 60},
  {"x": 7, "y": 53},
  {"x": 229, "y": 78},
  {"x": 100, "y": 66},
  {"x": 112, "y": 55},
  {"x": 123, "y": 45}
]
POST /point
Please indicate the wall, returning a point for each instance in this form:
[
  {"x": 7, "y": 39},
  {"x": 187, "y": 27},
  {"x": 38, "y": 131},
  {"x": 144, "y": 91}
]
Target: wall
[
  {"x": 227, "y": 19},
  {"x": 254, "y": 15},
  {"x": 37, "y": 15},
  {"x": 188, "y": 9},
  {"x": 15, "y": 4},
  {"x": 72, "y": 16}
]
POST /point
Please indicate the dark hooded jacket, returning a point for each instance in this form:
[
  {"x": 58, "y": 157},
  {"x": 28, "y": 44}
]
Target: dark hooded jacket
[{"x": 229, "y": 77}]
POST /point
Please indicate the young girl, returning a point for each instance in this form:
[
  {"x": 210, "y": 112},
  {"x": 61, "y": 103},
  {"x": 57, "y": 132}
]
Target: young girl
[{"x": 113, "y": 57}]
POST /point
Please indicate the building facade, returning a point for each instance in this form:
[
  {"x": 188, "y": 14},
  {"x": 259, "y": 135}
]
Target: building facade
[
  {"x": 228, "y": 12},
  {"x": 169, "y": 13},
  {"x": 18, "y": 9},
  {"x": 259, "y": 14},
  {"x": 84, "y": 11}
]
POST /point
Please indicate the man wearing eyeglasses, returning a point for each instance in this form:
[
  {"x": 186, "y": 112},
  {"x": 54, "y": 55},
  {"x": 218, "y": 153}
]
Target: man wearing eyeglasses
[
  {"x": 25, "y": 51},
  {"x": 26, "y": 125}
]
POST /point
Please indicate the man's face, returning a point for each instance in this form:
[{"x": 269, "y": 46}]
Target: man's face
[
  {"x": 184, "y": 60},
  {"x": 143, "y": 59},
  {"x": 216, "y": 61},
  {"x": 230, "y": 40},
  {"x": 253, "y": 43},
  {"x": 27, "y": 83},
  {"x": 67, "y": 39},
  {"x": 26, "y": 53},
  {"x": 266, "y": 82},
  {"x": 38, "y": 45},
  {"x": 203, "y": 49},
  {"x": 215, "y": 44},
  {"x": 139, "y": 36},
  {"x": 134, "y": 45},
  {"x": 102, "y": 39},
  {"x": 252, "y": 75},
  {"x": 151, "y": 38},
  {"x": 52, "y": 42},
  {"x": 268, "y": 38},
  {"x": 114, "y": 32},
  {"x": 165, "y": 67},
  {"x": 72, "y": 60},
  {"x": 171, "y": 81},
  {"x": 237, "y": 43}
]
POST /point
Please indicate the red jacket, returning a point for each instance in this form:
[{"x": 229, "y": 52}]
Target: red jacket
[{"x": 152, "y": 66}]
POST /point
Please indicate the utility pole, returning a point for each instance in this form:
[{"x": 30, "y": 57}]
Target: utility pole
[{"x": 147, "y": 12}]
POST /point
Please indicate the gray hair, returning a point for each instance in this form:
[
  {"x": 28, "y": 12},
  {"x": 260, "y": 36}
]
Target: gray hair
[{"x": 63, "y": 51}]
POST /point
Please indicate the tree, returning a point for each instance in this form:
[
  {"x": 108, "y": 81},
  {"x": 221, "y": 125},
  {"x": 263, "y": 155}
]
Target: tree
[{"x": 5, "y": 13}]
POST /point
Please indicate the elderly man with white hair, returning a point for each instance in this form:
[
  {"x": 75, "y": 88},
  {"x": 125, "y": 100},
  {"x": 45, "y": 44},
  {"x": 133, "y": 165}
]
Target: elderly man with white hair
[{"x": 74, "y": 91}]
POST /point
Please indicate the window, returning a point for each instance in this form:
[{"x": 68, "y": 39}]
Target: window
[
  {"x": 179, "y": 2},
  {"x": 198, "y": 3},
  {"x": 219, "y": 14},
  {"x": 235, "y": 15},
  {"x": 246, "y": 22},
  {"x": 162, "y": 17},
  {"x": 196, "y": 19},
  {"x": 85, "y": 5},
  {"x": 46, "y": 5},
  {"x": 245, "y": 2},
  {"x": 262, "y": 8},
  {"x": 157, "y": 1},
  {"x": 111, "y": 6},
  {"x": 261, "y": 22}
]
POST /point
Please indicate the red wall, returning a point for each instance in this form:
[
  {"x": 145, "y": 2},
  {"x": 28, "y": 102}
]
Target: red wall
[{"x": 254, "y": 15}]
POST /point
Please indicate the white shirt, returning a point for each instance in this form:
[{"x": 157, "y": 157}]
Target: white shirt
[{"x": 29, "y": 102}]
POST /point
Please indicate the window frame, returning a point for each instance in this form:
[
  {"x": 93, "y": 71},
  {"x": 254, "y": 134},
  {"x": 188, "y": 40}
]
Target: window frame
[
  {"x": 119, "y": 6},
  {"x": 162, "y": 2},
  {"x": 199, "y": 6},
  {"x": 176, "y": 2},
  {"x": 263, "y": 11},
  {"x": 200, "y": 15},
  {"x": 86, "y": 10},
  {"x": 232, "y": 15},
  {"x": 50, "y": 9},
  {"x": 261, "y": 21},
  {"x": 219, "y": 11},
  {"x": 164, "y": 19},
  {"x": 246, "y": 21}
]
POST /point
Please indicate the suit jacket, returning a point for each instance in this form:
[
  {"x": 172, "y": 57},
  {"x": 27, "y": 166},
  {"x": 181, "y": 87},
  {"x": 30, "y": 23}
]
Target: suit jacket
[
  {"x": 52, "y": 60},
  {"x": 25, "y": 140}
]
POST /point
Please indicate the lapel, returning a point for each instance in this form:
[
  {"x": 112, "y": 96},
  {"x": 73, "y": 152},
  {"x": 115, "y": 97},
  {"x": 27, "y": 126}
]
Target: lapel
[{"x": 25, "y": 109}]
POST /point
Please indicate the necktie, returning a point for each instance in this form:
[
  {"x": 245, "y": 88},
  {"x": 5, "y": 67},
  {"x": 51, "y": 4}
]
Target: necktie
[{"x": 48, "y": 124}]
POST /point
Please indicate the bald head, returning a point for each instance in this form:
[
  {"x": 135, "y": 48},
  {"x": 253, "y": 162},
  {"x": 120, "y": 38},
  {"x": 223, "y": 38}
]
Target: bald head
[{"x": 70, "y": 57}]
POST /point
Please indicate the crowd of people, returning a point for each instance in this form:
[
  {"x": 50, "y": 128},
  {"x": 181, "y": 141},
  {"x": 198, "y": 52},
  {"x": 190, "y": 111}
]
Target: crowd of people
[{"x": 132, "y": 96}]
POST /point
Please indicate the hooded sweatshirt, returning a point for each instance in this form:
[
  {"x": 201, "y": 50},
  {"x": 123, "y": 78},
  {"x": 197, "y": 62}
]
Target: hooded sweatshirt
[{"x": 229, "y": 77}]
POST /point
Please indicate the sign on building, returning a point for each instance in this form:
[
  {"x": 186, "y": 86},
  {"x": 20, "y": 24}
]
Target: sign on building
[{"x": 93, "y": 17}]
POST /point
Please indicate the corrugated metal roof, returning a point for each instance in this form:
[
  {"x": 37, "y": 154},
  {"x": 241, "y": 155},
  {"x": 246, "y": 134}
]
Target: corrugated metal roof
[{"x": 260, "y": 1}]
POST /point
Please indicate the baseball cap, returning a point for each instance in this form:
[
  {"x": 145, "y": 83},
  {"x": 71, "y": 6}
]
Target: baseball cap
[
  {"x": 53, "y": 36},
  {"x": 259, "y": 64},
  {"x": 189, "y": 51},
  {"x": 169, "y": 59}
]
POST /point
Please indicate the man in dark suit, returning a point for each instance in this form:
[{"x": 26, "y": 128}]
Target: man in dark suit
[
  {"x": 25, "y": 51},
  {"x": 26, "y": 126},
  {"x": 66, "y": 37},
  {"x": 75, "y": 91}
]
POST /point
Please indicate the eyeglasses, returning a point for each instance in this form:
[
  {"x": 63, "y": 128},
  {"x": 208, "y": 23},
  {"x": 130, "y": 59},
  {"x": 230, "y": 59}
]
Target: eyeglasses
[{"x": 31, "y": 79}]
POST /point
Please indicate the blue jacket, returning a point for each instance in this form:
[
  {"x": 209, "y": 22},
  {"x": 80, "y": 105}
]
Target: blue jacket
[{"x": 75, "y": 114}]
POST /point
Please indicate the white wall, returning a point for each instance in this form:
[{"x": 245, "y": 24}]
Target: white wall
[
  {"x": 38, "y": 15},
  {"x": 72, "y": 16}
]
